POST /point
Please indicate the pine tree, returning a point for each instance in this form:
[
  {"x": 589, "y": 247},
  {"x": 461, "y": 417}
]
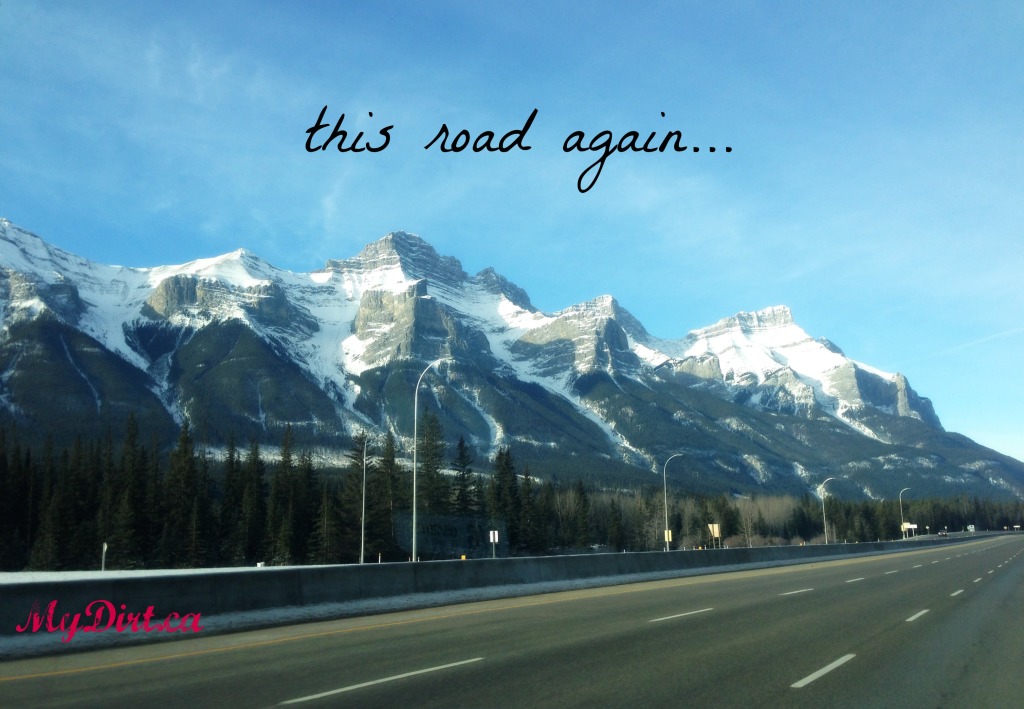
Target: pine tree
[
  {"x": 283, "y": 539},
  {"x": 280, "y": 507},
  {"x": 464, "y": 496},
  {"x": 152, "y": 519},
  {"x": 581, "y": 521},
  {"x": 180, "y": 489},
  {"x": 356, "y": 477},
  {"x": 123, "y": 551},
  {"x": 20, "y": 508},
  {"x": 616, "y": 530},
  {"x": 389, "y": 494},
  {"x": 8, "y": 524},
  {"x": 254, "y": 514},
  {"x": 504, "y": 502},
  {"x": 46, "y": 552},
  {"x": 436, "y": 498},
  {"x": 110, "y": 484},
  {"x": 546, "y": 515},
  {"x": 128, "y": 495},
  {"x": 232, "y": 540},
  {"x": 530, "y": 524},
  {"x": 202, "y": 543},
  {"x": 324, "y": 544},
  {"x": 291, "y": 505},
  {"x": 306, "y": 503}
]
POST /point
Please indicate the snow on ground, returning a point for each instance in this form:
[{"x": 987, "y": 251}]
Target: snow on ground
[{"x": 58, "y": 576}]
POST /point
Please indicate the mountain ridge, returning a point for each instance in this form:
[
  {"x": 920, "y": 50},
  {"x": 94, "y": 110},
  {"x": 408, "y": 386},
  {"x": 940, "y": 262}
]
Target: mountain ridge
[{"x": 236, "y": 345}]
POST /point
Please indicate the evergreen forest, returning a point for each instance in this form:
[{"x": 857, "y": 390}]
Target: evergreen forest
[{"x": 188, "y": 508}]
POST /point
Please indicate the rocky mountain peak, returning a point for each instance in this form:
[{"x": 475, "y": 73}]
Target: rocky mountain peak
[
  {"x": 26, "y": 253},
  {"x": 604, "y": 308},
  {"x": 493, "y": 282},
  {"x": 410, "y": 254},
  {"x": 774, "y": 317},
  {"x": 237, "y": 346}
]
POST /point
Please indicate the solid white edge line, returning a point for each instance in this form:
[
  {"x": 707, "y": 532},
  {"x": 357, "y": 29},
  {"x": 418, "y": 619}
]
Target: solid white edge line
[
  {"x": 378, "y": 681},
  {"x": 917, "y": 615},
  {"x": 680, "y": 615},
  {"x": 822, "y": 672}
]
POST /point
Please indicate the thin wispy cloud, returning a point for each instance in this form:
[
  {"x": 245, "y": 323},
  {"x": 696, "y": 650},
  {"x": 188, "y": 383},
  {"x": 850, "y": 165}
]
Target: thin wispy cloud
[
  {"x": 874, "y": 192},
  {"x": 988, "y": 339}
]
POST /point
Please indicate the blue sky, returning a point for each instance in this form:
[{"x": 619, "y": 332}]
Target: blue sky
[{"x": 874, "y": 186}]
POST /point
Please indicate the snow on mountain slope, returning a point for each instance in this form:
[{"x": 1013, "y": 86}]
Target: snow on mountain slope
[
  {"x": 240, "y": 347},
  {"x": 779, "y": 366},
  {"x": 353, "y": 314},
  {"x": 752, "y": 347}
]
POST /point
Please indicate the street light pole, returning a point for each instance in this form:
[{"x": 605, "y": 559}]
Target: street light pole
[
  {"x": 415, "y": 441},
  {"x": 362, "y": 516},
  {"x": 903, "y": 530},
  {"x": 664, "y": 478},
  {"x": 824, "y": 521}
]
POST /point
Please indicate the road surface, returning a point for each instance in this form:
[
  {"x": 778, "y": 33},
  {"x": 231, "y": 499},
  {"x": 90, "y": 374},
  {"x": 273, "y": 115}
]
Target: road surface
[{"x": 941, "y": 626}]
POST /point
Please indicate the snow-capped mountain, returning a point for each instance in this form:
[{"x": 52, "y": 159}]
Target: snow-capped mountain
[
  {"x": 241, "y": 348},
  {"x": 767, "y": 355}
]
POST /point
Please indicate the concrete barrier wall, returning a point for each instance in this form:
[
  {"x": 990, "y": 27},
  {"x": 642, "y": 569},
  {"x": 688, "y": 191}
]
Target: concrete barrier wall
[{"x": 219, "y": 592}]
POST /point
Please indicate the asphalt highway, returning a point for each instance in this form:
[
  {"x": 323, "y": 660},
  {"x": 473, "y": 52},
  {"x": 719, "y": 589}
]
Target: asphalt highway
[{"x": 941, "y": 626}]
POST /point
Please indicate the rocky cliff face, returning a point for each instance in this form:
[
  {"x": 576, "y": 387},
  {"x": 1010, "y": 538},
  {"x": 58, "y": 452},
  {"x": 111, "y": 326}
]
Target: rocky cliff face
[{"x": 239, "y": 347}]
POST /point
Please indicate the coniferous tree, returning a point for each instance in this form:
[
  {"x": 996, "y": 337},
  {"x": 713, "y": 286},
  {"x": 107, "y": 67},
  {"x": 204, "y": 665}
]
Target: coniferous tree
[
  {"x": 180, "y": 488},
  {"x": 504, "y": 500},
  {"x": 21, "y": 507},
  {"x": 126, "y": 528},
  {"x": 33, "y": 489},
  {"x": 202, "y": 525},
  {"x": 50, "y": 550},
  {"x": 122, "y": 540},
  {"x": 391, "y": 495},
  {"x": 254, "y": 514},
  {"x": 81, "y": 499},
  {"x": 306, "y": 504},
  {"x": 546, "y": 515},
  {"x": 616, "y": 530},
  {"x": 581, "y": 521},
  {"x": 324, "y": 543},
  {"x": 380, "y": 541},
  {"x": 463, "y": 494},
  {"x": 436, "y": 492},
  {"x": 351, "y": 502},
  {"x": 8, "y": 525},
  {"x": 230, "y": 528},
  {"x": 281, "y": 506},
  {"x": 109, "y": 481},
  {"x": 52, "y": 537},
  {"x": 481, "y": 494},
  {"x": 152, "y": 518},
  {"x": 283, "y": 540},
  {"x": 531, "y": 526}
]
